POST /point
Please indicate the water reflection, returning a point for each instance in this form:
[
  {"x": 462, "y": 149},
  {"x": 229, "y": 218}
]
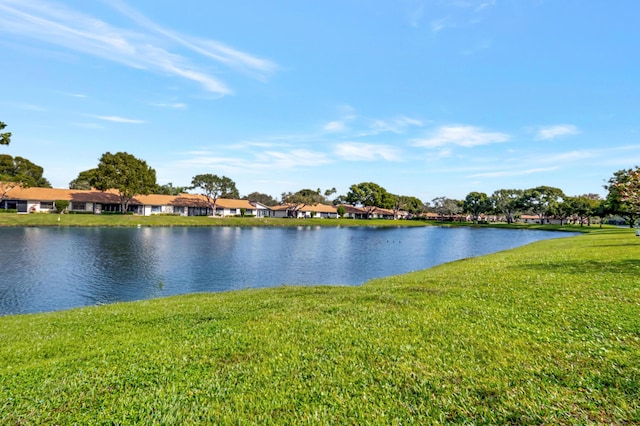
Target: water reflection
[{"x": 57, "y": 268}]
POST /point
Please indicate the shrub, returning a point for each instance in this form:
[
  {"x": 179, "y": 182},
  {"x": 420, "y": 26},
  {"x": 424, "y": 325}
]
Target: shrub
[
  {"x": 61, "y": 205},
  {"x": 8, "y": 210}
]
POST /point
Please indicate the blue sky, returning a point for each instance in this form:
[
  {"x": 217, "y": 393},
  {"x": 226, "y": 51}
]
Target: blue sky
[{"x": 424, "y": 97}]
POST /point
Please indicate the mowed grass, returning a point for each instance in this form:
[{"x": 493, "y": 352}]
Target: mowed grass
[
  {"x": 544, "y": 334},
  {"x": 117, "y": 220}
]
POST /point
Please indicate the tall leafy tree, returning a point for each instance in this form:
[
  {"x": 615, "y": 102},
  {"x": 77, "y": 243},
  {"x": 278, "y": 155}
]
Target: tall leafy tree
[
  {"x": 407, "y": 203},
  {"x": 370, "y": 195},
  {"x": 629, "y": 191},
  {"x": 446, "y": 207},
  {"x": 302, "y": 198},
  {"x": 602, "y": 211},
  {"x": 214, "y": 187},
  {"x": 5, "y": 137},
  {"x": 541, "y": 200},
  {"x": 476, "y": 203},
  {"x": 18, "y": 171},
  {"x": 620, "y": 198},
  {"x": 583, "y": 207},
  {"x": 169, "y": 189},
  {"x": 563, "y": 210},
  {"x": 22, "y": 171},
  {"x": 84, "y": 179},
  {"x": 258, "y": 197},
  {"x": 505, "y": 201},
  {"x": 126, "y": 174}
]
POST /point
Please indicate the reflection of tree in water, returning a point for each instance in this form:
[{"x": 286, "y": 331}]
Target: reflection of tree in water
[{"x": 61, "y": 268}]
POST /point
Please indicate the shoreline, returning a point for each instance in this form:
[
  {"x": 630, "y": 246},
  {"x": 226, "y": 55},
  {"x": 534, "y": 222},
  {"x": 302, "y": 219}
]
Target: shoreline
[{"x": 544, "y": 333}]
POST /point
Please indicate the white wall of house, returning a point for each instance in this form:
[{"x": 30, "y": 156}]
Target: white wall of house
[
  {"x": 151, "y": 210},
  {"x": 35, "y": 206}
]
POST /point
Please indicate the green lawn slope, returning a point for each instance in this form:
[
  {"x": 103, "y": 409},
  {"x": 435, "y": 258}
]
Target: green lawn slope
[{"x": 544, "y": 334}]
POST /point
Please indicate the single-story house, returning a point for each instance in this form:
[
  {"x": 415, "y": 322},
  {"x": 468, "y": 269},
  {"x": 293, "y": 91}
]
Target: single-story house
[
  {"x": 305, "y": 211},
  {"x": 371, "y": 212},
  {"x": 533, "y": 219},
  {"x": 34, "y": 200},
  {"x": 353, "y": 212}
]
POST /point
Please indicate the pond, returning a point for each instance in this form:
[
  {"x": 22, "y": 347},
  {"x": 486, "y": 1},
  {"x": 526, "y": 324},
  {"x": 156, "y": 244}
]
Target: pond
[{"x": 48, "y": 269}]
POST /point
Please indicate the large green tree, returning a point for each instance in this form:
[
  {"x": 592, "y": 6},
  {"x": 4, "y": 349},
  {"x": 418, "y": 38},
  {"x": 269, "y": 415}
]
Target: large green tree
[
  {"x": 406, "y": 203},
  {"x": 258, "y": 197},
  {"x": 446, "y": 207},
  {"x": 563, "y": 210},
  {"x": 629, "y": 191},
  {"x": 541, "y": 200},
  {"x": 369, "y": 195},
  {"x": 304, "y": 197},
  {"x": 214, "y": 187},
  {"x": 505, "y": 201},
  {"x": 476, "y": 203},
  {"x": 620, "y": 198},
  {"x": 5, "y": 137},
  {"x": 18, "y": 171},
  {"x": 126, "y": 174},
  {"x": 84, "y": 179},
  {"x": 583, "y": 207},
  {"x": 169, "y": 189}
]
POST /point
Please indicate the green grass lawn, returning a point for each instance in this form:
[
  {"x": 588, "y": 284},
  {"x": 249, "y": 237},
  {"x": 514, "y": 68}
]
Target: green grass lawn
[
  {"x": 44, "y": 219},
  {"x": 544, "y": 334}
]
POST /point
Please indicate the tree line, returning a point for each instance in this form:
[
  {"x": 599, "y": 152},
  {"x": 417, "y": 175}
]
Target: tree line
[{"x": 130, "y": 176}]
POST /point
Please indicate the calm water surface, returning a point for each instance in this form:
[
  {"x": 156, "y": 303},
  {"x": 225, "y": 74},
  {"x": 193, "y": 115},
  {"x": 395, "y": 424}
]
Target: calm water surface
[{"x": 48, "y": 269}]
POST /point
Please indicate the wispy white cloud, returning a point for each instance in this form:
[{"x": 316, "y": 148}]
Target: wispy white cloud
[
  {"x": 294, "y": 158},
  {"x": 355, "y": 151},
  {"x": 568, "y": 156},
  {"x": 476, "y": 5},
  {"x": 396, "y": 125},
  {"x": 465, "y": 136},
  {"x": 438, "y": 25},
  {"x": 485, "y": 5},
  {"x": 175, "y": 105},
  {"x": 208, "y": 48},
  {"x": 76, "y": 95},
  {"x": 260, "y": 161},
  {"x": 29, "y": 107},
  {"x": 56, "y": 24},
  {"x": 116, "y": 119},
  {"x": 553, "y": 132},
  {"x": 335, "y": 126},
  {"x": 360, "y": 126},
  {"x": 507, "y": 173}
]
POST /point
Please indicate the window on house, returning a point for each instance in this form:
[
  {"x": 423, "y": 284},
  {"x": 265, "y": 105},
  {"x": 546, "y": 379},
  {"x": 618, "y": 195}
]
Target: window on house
[
  {"x": 78, "y": 206},
  {"x": 46, "y": 205},
  {"x": 156, "y": 209},
  {"x": 233, "y": 211}
]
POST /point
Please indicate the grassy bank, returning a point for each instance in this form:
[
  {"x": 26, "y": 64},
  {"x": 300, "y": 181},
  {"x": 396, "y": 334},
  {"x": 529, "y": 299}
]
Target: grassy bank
[
  {"x": 161, "y": 220},
  {"x": 544, "y": 334},
  {"x": 92, "y": 220}
]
